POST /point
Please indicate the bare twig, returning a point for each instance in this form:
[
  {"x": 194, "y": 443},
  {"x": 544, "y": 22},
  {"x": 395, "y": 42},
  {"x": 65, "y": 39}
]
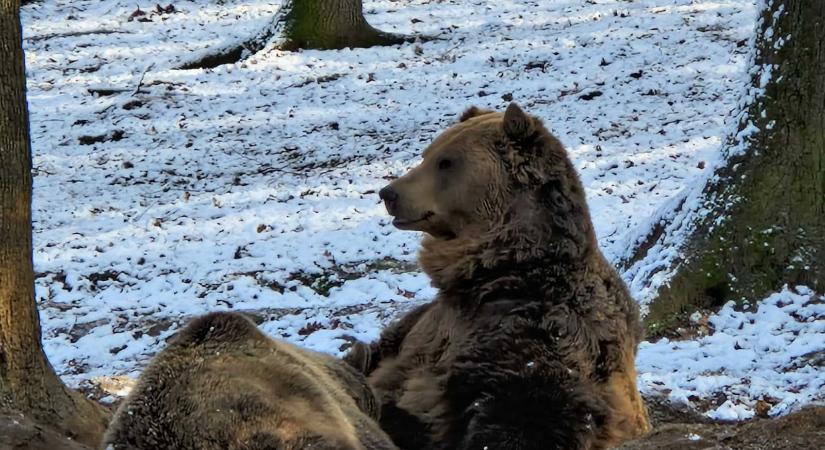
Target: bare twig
[{"x": 140, "y": 81}]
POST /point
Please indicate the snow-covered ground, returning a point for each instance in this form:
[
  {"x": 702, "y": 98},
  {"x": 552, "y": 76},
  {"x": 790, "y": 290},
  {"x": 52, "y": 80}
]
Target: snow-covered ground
[
  {"x": 767, "y": 357},
  {"x": 162, "y": 193}
]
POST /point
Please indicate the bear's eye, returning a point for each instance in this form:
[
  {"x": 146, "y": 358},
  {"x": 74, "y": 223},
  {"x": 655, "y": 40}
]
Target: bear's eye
[{"x": 444, "y": 164}]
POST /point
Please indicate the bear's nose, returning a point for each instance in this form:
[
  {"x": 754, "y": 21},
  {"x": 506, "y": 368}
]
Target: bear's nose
[{"x": 388, "y": 194}]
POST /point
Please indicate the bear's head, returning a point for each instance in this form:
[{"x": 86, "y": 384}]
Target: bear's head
[{"x": 495, "y": 189}]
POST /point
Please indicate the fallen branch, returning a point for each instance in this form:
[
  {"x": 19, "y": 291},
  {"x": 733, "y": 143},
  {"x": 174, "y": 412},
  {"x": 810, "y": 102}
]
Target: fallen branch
[
  {"x": 106, "y": 91},
  {"x": 72, "y": 34}
]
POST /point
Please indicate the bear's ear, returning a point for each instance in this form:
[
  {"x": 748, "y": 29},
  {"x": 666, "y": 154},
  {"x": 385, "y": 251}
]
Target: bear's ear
[
  {"x": 517, "y": 124},
  {"x": 473, "y": 111}
]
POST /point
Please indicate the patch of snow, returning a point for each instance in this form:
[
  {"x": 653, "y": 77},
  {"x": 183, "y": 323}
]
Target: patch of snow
[
  {"x": 767, "y": 353},
  {"x": 731, "y": 411}
]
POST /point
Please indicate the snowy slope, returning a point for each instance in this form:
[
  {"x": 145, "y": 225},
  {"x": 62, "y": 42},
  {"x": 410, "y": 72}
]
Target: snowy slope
[{"x": 163, "y": 193}]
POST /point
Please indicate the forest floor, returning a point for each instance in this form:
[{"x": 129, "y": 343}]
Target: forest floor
[{"x": 161, "y": 194}]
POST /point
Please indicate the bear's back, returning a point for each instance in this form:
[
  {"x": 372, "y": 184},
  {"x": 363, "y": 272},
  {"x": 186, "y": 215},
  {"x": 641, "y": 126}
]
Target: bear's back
[{"x": 222, "y": 384}]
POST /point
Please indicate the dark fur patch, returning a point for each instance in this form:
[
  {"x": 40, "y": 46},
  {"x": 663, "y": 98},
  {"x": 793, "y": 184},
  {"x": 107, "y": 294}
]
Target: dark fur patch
[{"x": 551, "y": 410}]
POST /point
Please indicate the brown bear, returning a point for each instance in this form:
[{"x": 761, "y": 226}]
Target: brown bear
[
  {"x": 221, "y": 384},
  {"x": 531, "y": 341}
]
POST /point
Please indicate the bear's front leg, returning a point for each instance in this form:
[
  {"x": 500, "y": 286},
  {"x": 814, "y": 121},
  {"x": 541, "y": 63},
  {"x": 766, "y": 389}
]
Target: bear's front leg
[
  {"x": 366, "y": 358},
  {"x": 523, "y": 381},
  {"x": 548, "y": 408},
  {"x": 359, "y": 357}
]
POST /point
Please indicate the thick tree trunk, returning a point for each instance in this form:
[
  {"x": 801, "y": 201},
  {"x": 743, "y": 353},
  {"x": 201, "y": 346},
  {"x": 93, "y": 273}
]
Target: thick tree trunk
[
  {"x": 28, "y": 383},
  {"x": 331, "y": 24},
  {"x": 309, "y": 24},
  {"x": 763, "y": 219}
]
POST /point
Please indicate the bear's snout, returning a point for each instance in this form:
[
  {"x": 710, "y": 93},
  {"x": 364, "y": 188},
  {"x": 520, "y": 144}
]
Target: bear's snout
[{"x": 390, "y": 198}]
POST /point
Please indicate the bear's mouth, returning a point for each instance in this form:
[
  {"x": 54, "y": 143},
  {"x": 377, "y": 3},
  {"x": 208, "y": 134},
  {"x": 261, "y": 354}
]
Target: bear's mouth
[{"x": 403, "y": 224}]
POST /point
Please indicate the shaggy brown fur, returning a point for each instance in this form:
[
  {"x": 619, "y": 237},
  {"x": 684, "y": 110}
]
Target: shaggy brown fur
[
  {"x": 531, "y": 341},
  {"x": 224, "y": 385}
]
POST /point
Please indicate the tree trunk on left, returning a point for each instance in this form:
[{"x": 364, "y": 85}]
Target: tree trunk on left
[{"x": 28, "y": 384}]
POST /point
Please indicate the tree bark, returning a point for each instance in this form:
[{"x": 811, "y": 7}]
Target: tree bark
[
  {"x": 28, "y": 384},
  {"x": 763, "y": 219},
  {"x": 331, "y": 24},
  {"x": 309, "y": 24}
]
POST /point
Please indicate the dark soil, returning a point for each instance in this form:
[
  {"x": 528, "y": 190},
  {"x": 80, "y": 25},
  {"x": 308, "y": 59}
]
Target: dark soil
[
  {"x": 674, "y": 428},
  {"x": 682, "y": 430},
  {"x": 18, "y": 432}
]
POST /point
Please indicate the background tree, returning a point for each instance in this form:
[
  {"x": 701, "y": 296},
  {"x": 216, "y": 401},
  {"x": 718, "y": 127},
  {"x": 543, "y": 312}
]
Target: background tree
[
  {"x": 317, "y": 24},
  {"x": 763, "y": 214},
  {"x": 28, "y": 383}
]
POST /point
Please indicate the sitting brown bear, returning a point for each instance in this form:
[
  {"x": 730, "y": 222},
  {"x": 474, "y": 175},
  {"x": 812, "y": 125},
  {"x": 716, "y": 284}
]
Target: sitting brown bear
[
  {"x": 531, "y": 341},
  {"x": 221, "y": 384}
]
